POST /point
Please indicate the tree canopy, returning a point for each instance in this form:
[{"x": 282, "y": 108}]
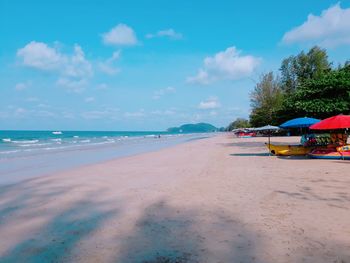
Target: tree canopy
[
  {"x": 307, "y": 86},
  {"x": 321, "y": 97},
  {"x": 238, "y": 123},
  {"x": 302, "y": 67},
  {"x": 266, "y": 100}
]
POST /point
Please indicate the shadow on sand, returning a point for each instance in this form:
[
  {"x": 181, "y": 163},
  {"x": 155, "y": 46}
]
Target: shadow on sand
[
  {"x": 59, "y": 231},
  {"x": 245, "y": 144},
  {"x": 250, "y": 154},
  {"x": 166, "y": 234},
  {"x": 295, "y": 157},
  {"x": 161, "y": 234}
]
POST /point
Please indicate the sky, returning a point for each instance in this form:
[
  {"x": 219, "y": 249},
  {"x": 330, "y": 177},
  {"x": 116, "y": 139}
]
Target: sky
[{"x": 150, "y": 65}]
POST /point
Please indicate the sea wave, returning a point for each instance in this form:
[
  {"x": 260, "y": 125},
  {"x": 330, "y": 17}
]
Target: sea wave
[
  {"x": 6, "y": 140},
  {"x": 25, "y": 141},
  {"x": 34, "y": 144},
  {"x": 7, "y": 152}
]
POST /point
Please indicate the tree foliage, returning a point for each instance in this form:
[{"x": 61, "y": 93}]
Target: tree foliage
[
  {"x": 238, "y": 123},
  {"x": 266, "y": 100},
  {"x": 307, "y": 86},
  {"x": 322, "y": 96},
  {"x": 298, "y": 69}
]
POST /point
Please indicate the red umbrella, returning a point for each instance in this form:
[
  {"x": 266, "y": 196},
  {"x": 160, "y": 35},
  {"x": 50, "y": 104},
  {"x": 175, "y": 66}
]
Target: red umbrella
[{"x": 333, "y": 123}]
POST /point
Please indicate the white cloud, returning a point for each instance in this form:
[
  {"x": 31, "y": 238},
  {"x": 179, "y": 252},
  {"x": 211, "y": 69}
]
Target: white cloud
[
  {"x": 73, "y": 70},
  {"x": 202, "y": 77},
  {"x": 213, "y": 113},
  {"x": 331, "y": 28},
  {"x": 77, "y": 65},
  {"x": 3, "y": 115},
  {"x": 73, "y": 85},
  {"x": 159, "y": 93},
  {"x": 136, "y": 114},
  {"x": 169, "y": 33},
  {"x": 41, "y": 111},
  {"x": 209, "y": 104},
  {"x": 32, "y": 99},
  {"x": 108, "y": 69},
  {"x": 228, "y": 64},
  {"x": 43, "y": 105},
  {"x": 106, "y": 113},
  {"x": 107, "y": 66},
  {"x": 102, "y": 86},
  {"x": 164, "y": 112},
  {"x": 19, "y": 112},
  {"x": 89, "y": 99},
  {"x": 21, "y": 86},
  {"x": 91, "y": 115},
  {"x": 120, "y": 35},
  {"x": 39, "y": 55},
  {"x": 67, "y": 115},
  {"x": 115, "y": 56},
  {"x": 76, "y": 71},
  {"x": 45, "y": 114}
]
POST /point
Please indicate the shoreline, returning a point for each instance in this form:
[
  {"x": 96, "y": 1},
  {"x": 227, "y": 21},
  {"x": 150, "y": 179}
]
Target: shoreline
[
  {"x": 46, "y": 163},
  {"x": 220, "y": 199}
]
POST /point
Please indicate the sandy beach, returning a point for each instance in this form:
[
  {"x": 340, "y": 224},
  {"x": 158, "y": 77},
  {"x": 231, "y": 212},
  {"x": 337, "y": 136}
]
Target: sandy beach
[{"x": 220, "y": 199}]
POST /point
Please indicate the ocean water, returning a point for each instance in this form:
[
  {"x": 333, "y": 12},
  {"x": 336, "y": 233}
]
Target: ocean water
[
  {"x": 23, "y": 143},
  {"x": 27, "y": 154}
]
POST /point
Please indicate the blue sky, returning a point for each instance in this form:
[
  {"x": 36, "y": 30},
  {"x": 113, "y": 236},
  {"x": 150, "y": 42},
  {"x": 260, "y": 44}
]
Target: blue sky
[{"x": 150, "y": 65}]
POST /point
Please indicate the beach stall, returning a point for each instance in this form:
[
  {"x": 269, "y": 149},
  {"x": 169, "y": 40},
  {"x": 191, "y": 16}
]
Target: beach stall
[
  {"x": 287, "y": 149},
  {"x": 245, "y": 133},
  {"x": 336, "y": 147},
  {"x": 303, "y": 148},
  {"x": 269, "y": 129}
]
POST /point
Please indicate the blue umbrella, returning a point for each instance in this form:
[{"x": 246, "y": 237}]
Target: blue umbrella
[{"x": 299, "y": 122}]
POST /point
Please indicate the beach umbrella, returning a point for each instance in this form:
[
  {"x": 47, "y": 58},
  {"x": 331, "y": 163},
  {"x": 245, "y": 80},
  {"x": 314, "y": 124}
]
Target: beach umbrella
[
  {"x": 299, "y": 122},
  {"x": 269, "y": 129},
  {"x": 333, "y": 123}
]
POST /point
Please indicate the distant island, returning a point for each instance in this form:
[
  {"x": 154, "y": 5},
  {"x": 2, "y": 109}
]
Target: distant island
[{"x": 198, "y": 127}]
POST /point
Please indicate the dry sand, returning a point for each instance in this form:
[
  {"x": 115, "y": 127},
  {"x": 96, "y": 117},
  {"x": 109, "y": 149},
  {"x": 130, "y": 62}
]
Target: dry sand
[{"x": 214, "y": 200}]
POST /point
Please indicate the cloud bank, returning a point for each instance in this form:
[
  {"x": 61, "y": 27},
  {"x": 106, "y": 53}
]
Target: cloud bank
[
  {"x": 330, "y": 29},
  {"x": 73, "y": 70}
]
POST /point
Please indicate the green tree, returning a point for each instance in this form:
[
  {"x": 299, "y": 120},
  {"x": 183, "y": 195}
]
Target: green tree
[
  {"x": 321, "y": 97},
  {"x": 297, "y": 69},
  {"x": 266, "y": 100},
  {"x": 238, "y": 123}
]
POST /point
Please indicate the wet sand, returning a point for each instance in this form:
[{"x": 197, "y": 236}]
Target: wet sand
[{"x": 220, "y": 199}]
